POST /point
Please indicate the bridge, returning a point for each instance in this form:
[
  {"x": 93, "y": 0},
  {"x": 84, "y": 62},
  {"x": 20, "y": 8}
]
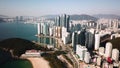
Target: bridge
[
  {"x": 106, "y": 39},
  {"x": 42, "y": 44},
  {"x": 45, "y": 36}
]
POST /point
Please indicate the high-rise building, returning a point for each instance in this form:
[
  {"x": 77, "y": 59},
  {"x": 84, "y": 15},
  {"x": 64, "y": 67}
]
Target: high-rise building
[
  {"x": 97, "y": 41},
  {"x": 74, "y": 40},
  {"x": 87, "y": 57},
  {"x": 21, "y": 18},
  {"x": 63, "y": 21},
  {"x": 89, "y": 40},
  {"x": 51, "y": 31},
  {"x": 17, "y": 18},
  {"x": 108, "y": 49},
  {"x": 39, "y": 28},
  {"x": 101, "y": 50},
  {"x": 115, "y": 55},
  {"x": 57, "y": 32},
  {"x": 67, "y": 22},
  {"x": 46, "y": 29},
  {"x": 113, "y": 23},
  {"x": 43, "y": 28},
  {"x": 80, "y": 51},
  {"x": 99, "y": 60},
  {"x": 81, "y": 37},
  {"x": 65, "y": 35},
  {"x": 57, "y": 21}
]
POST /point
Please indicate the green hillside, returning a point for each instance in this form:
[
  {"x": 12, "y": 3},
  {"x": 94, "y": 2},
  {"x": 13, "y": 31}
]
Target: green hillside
[
  {"x": 116, "y": 43},
  {"x": 17, "y": 45}
]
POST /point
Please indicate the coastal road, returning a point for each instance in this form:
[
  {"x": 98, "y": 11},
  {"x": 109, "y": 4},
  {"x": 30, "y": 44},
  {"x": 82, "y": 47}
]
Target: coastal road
[
  {"x": 73, "y": 57},
  {"x": 70, "y": 53}
]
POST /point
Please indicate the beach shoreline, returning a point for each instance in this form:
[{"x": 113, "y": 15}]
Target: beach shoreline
[{"x": 39, "y": 62}]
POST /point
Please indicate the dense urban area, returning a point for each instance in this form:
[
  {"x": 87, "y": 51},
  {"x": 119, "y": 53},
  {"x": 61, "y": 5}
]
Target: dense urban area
[{"x": 81, "y": 41}]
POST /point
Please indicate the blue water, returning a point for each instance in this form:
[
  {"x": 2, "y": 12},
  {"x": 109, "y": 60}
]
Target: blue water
[
  {"x": 21, "y": 30},
  {"x": 18, "y": 30}
]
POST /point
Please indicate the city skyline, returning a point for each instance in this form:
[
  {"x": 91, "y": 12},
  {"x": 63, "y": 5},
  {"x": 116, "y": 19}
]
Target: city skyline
[{"x": 47, "y": 7}]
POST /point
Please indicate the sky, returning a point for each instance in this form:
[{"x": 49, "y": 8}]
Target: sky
[{"x": 50, "y": 7}]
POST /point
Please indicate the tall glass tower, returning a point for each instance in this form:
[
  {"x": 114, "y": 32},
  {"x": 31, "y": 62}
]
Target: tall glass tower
[
  {"x": 74, "y": 40},
  {"x": 81, "y": 37},
  {"x": 67, "y": 22},
  {"x": 57, "y": 21},
  {"x": 89, "y": 42},
  {"x": 63, "y": 21}
]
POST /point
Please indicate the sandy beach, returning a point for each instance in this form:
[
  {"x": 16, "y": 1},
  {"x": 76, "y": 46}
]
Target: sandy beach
[{"x": 39, "y": 62}]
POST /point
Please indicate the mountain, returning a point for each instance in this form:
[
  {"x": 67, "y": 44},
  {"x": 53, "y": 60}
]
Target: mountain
[
  {"x": 107, "y": 16},
  {"x": 1, "y": 20},
  {"x": 3, "y": 16},
  {"x": 115, "y": 43},
  {"x": 50, "y": 17},
  {"x": 72, "y": 17},
  {"x": 82, "y": 17}
]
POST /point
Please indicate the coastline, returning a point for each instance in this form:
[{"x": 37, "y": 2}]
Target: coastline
[{"x": 39, "y": 62}]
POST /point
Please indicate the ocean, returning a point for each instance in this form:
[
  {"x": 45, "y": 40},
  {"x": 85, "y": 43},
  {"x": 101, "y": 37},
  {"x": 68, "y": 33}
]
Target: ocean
[{"x": 21, "y": 30}]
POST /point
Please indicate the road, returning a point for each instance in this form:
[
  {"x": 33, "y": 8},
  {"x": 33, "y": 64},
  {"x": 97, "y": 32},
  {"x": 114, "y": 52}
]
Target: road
[
  {"x": 70, "y": 53},
  {"x": 66, "y": 48}
]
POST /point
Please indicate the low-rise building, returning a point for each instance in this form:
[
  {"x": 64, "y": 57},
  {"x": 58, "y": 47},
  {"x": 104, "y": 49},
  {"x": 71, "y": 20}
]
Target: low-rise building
[{"x": 32, "y": 53}]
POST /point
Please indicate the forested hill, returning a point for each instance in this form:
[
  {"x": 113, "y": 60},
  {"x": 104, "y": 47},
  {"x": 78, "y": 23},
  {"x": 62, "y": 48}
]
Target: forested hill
[{"x": 17, "y": 45}]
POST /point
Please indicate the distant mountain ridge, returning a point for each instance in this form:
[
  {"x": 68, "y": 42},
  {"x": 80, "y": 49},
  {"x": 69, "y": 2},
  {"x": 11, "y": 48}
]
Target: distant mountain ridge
[
  {"x": 4, "y": 16},
  {"x": 73, "y": 17},
  {"x": 50, "y": 16},
  {"x": 78, "y": 17},
  {"x": 107, "y": 16},
  {"x": 82, "y": 17},
  {"x": 86, "y": 17}
]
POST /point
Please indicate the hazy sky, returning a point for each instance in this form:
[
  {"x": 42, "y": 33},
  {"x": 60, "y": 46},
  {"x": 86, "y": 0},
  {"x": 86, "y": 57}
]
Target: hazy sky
[{"x": 45, "y": 7}]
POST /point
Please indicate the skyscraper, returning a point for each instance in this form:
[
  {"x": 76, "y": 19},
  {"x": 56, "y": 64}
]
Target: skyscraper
[
  {"x": 108, "y": 49},
  {"x": 46, "y": 29},
  {"x": 43, "y": 28},
  {"x": 21, "y": 18},
  {"x": 39, "y": 28},
  {"x": 81, "y": 37},
  {"x": 63, "y": 21},
  {"x": 89, "y": 42},
  {"x": 57, "y": 21},
  {"x": 67, "y": 22},
  {"x": 74, "y": 40},
  {"x": 97, "y": 41}
]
